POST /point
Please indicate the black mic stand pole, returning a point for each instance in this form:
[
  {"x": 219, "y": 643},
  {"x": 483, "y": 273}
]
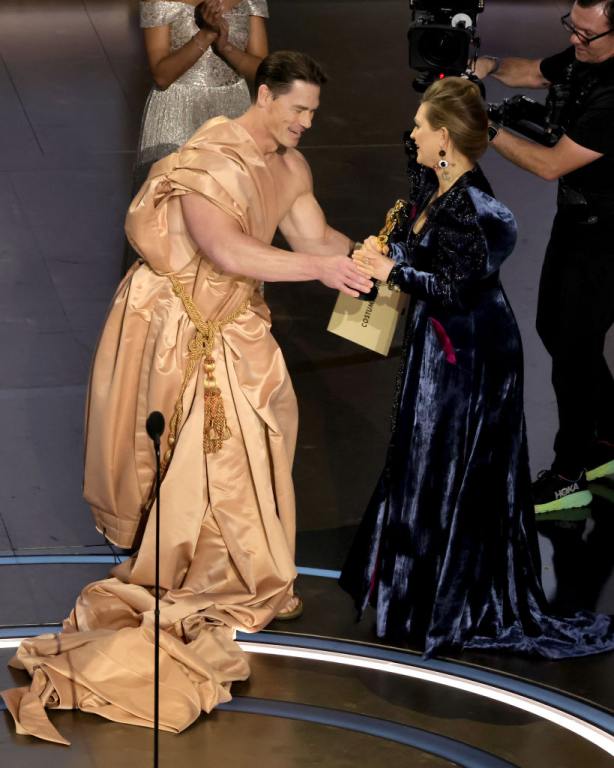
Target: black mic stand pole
[
  {"x": 155, "y": 428},
  {"x": 157, "y": 612}
]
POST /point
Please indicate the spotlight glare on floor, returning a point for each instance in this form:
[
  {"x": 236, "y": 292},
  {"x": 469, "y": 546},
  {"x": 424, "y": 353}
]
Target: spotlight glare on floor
[
  {"x": 591, "y": 733},
  {"x": 587, "y": 731}
]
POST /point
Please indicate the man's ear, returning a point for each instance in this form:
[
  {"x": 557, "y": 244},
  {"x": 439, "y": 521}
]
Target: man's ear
[{"x": 264, "y": 96}]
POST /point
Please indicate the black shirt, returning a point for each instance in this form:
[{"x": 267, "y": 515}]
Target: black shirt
[{"x": 591, "y": 123}]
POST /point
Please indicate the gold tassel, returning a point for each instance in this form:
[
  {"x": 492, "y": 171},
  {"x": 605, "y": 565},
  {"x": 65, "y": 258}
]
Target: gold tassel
[{"x": 215, "y": 430}]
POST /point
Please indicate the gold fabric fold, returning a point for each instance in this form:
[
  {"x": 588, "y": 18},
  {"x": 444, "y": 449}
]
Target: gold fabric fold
[{"x": 227, "y": 517}]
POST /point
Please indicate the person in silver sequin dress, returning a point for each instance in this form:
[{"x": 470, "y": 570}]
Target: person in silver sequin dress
[{"x": 198, "y": 74}]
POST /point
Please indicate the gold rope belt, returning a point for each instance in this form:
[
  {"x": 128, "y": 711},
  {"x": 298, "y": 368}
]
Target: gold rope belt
[{"x": 215, "y": 429}]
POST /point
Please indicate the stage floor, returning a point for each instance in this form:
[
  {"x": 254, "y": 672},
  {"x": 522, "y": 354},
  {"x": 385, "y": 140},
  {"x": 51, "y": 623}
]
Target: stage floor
[{"x": 324, "y": 690}]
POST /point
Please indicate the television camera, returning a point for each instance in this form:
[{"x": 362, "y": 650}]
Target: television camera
[{"x": 443, "y": 41}]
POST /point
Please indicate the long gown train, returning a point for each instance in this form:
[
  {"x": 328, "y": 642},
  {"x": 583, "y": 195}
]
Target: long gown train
[{"x": 447, "y": 549}]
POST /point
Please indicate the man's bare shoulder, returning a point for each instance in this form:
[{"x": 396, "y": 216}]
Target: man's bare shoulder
[{"x": 296, "y": 164}]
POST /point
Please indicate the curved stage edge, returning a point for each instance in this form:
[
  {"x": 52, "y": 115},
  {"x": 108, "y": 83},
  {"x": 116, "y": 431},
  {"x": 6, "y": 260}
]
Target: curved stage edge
[{"x": 451, "y": 712}]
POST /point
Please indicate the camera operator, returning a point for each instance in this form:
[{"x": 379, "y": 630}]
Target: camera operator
[{"x": 576, "y": 293}]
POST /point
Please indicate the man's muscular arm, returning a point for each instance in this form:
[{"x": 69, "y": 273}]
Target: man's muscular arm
[
  {"x": 549, "y": 163},
  {"x": 305, "y": 226},
  {"x": 306, "y": 229},
  {"x": 220, "y": 237},
  {"x": 513, "y": 72}
]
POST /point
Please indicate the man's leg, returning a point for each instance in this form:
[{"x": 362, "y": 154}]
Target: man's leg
[
  {"x": 574, "y": 313},
  {"x": 564, "y": 328},
  {"x": 601, "y": 456},
  {"x": 576, "y": 362}
]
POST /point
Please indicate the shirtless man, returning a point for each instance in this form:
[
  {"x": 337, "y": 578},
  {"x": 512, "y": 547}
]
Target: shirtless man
[
  {"x": 188, "y": 334},
  {"x": 283, "y": 110},
  {"x": 287, "y": 97}
]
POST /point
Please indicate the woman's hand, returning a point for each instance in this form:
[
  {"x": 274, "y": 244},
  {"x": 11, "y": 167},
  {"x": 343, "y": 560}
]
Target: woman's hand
[
  {"x": 211, "y": 14},
  {"x": 221, "y": 43},
  {"x": 244, "y": 62},
  {"x": 372, "y": 259}
]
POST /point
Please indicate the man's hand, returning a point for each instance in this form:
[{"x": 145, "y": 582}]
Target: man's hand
[
  {"x": 512, "y": 71},
  {"x": 484, "y": 66},
  {"x": 343, "y": 274}
]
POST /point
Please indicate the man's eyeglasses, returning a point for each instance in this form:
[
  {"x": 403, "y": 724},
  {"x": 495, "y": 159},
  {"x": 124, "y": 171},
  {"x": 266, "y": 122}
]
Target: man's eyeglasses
[{"x": 584, "y": 39}]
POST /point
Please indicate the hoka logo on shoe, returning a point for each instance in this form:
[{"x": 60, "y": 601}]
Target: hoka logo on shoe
[{"x": 567, "y": 490}]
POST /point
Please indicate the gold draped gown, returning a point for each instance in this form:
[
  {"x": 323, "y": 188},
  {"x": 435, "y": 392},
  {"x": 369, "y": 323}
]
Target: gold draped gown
[{"x": 227, "y": 516}]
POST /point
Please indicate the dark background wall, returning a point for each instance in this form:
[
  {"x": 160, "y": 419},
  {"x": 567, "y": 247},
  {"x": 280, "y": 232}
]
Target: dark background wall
[{"x": 72, "y": 83}]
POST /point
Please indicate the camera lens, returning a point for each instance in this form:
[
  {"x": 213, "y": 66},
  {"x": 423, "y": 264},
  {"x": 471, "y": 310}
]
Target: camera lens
[{"x": 440, "y": 49}]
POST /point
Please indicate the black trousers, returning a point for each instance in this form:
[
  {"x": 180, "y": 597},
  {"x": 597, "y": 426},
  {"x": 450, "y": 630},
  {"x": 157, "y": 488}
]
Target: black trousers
[{"x": 575, "y": 311}]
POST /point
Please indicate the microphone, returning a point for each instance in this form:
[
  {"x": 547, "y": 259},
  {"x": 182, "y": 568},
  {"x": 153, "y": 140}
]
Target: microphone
[{"x": 155, "y": 426}]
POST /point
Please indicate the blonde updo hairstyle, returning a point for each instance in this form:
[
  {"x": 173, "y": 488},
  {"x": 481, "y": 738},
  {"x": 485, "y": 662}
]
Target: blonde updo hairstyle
[{"x": 456, "y": 104}]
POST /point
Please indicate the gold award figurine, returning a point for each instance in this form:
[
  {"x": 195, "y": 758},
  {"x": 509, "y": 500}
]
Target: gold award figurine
[{"x": 372, "y": 323}]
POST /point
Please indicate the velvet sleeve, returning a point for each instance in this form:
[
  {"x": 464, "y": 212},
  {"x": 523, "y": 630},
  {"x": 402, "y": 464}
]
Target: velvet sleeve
[
  {"x": 459, "y": 255},
  {"x": 399, "y": 253}
]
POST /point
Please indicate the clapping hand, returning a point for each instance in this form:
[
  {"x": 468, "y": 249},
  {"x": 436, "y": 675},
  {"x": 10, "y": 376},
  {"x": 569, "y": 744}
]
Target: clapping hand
[
  {"x": 208, "y": 15},
  {"x": 372, "y": 259},
  {"x": 222, "y": 36}
]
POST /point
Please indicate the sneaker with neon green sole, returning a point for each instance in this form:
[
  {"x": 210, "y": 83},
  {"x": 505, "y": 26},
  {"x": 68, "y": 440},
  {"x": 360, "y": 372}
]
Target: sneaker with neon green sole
[
  {"x": 552, "y": 492},
  {"x": 601, "y": 461}
]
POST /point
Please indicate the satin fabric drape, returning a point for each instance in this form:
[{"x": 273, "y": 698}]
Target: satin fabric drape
[{"x": 227, "y": 518}]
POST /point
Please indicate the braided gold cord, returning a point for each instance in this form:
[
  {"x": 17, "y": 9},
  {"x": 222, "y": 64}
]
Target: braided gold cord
[{"x": 216, "y": 428}]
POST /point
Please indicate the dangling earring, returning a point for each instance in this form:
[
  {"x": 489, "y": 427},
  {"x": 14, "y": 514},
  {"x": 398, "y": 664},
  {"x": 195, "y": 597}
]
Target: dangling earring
[{"x": 443, "y": 164}]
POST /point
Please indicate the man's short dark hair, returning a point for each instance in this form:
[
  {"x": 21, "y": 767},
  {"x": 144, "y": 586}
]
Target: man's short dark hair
[
  {"x": 608, "y": 8},
  {"x": 279, "y": 70}
]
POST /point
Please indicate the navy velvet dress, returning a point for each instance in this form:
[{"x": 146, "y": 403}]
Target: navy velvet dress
[{"x": 447, "y": 551}]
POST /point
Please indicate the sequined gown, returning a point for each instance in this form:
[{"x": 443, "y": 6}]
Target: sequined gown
[
  {"x": 208, "y": 89},
  {"x": 447, "y": 550}
]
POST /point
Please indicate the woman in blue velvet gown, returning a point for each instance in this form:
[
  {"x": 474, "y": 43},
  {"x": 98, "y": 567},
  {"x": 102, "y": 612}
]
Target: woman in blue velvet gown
[{"x": 447, "y": 550}]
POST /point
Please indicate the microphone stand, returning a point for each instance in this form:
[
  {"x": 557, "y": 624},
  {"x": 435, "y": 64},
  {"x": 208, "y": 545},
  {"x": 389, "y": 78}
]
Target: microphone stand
[
  {"x": 155, "y": 428},
  {"x": 157, "y": 612}
]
